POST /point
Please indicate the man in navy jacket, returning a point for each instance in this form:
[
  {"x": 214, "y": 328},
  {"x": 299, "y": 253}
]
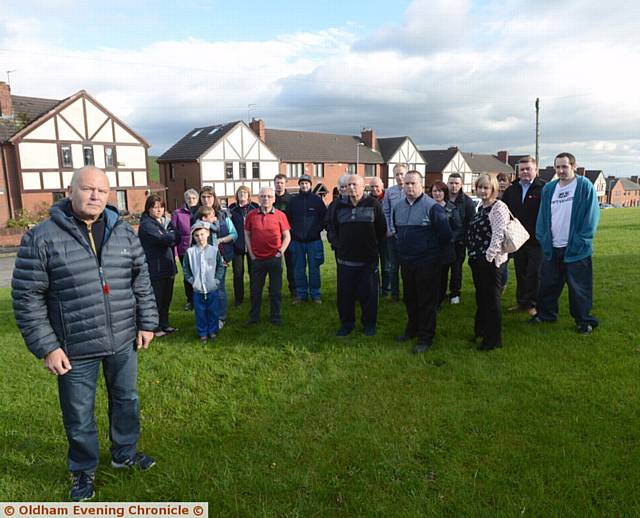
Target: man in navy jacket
[{"x": 306, "y": 213}]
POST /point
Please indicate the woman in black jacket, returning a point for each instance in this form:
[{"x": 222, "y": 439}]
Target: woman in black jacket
[{"x": 159, "y": 237}]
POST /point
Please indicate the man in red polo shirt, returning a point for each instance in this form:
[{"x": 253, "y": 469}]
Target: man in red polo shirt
[{"x": 267, "y": 235}]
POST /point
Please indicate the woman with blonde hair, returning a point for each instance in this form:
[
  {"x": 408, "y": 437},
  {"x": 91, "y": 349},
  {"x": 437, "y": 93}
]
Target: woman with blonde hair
[{"x": 486, "y": 259}]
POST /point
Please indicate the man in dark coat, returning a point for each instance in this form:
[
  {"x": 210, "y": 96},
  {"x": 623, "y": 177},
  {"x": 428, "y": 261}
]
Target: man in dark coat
[
  {"x": 523, "y": 199},
  {"x": 283, "y": 197},
  {"x": 82, "y": 298}
]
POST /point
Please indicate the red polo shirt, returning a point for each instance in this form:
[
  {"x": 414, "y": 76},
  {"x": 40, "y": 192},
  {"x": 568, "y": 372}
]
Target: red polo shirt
[{"x": 266, "y": 231}]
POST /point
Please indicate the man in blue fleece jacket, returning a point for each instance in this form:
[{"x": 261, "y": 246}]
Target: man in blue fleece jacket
[{"x": 565, "y": 229}]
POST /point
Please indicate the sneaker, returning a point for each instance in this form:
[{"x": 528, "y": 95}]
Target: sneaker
[
  {"x": 584, "y": 329},
  {"x": 83, "y": 488},
  {"x": 204, "y": 339},
  {"x": 344, "y": 331},
  {"x": 188, "y": 307},
  {"x": 140, "y": 460},
  {"x": 421, "y": 347},
  {"x": 369, "y": 331},
  {"x": 221, "y": 323},
  {"x": 454, "y": 300}
]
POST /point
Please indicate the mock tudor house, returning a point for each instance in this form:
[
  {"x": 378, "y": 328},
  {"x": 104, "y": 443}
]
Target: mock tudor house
[
  {"x": 442, "y": 162},
  {"x": 597, "y": 179},
  {"x": 43, "y": 141},
  {"x": 397, "y": 150},
  {"x": 323, "y": 156},
  {"x": 224, "y": 156}
]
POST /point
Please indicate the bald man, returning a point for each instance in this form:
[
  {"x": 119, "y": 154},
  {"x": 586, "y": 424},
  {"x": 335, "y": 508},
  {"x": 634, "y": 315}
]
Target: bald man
[{"x": 82, "y": 298}]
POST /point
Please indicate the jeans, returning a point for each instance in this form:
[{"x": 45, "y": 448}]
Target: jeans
[
  {"x": 487, "y": 279},
  {"x": 259, "y": 270},
  {"x": 207, "y": 311},
  {"x": 163, "y": 291},
  {"x": 579, "y": 279},
  {"x": 358, "y": 283},
  {"x": 223, "y": 304},
  {"x": 527, "y": 261},
  {"x": 238, "y": 275},
  {"x": 393, "y": 268},
  {"x": 312, "y": 254},
  {"x": 77, "y": 392},
  {"x": 421, "y": 284}
]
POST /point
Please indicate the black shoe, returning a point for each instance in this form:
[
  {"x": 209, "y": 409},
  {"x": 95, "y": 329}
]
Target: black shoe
[
  {"x": 250, "y": 322},
  {"x": 584, "y": 329},
  {"x": 485, "y": 347},
  {"x": 404, "y": 338},
  {"x": 344, "y": 331},
  {"x": 369, "y": 331},
  {"x": 83, "y": 488},
  {"x": 188, "y": 306},
  {"x": 421, "y": 347},
  {"x": 139, "y": 460},
  {"x": 170, "y": 330}
]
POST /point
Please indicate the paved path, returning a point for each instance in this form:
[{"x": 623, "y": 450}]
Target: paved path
[{"x": 6, "y": 269}]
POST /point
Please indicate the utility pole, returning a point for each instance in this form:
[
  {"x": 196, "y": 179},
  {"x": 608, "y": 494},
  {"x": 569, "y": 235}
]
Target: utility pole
[{"x": 538, "y": 131}]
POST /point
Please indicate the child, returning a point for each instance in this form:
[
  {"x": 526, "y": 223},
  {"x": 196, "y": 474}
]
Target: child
[{"x": 204, "y": 270}]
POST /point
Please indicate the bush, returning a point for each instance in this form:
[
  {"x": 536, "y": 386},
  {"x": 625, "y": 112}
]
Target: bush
[{"x": 26, "y": 218}]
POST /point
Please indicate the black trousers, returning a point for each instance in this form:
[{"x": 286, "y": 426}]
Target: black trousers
[
  {"x": 528, "y": 262},
  {"x": 163, "y": 290},
  {"x": 487, "y": 279},
  {"x": 188, "y": 288},
  {"x": 259, "y": 270},
  {"x": 358, "y": 284},
  {"x": 455, "y": 284},
  {"x": 421, "y": 284},
  {"x": 238, "y": 275},
  {"x": 291, "y": 276}
]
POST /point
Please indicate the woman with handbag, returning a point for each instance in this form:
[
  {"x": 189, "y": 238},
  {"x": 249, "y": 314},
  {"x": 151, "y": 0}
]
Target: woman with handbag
[{"x": 485, "y": 239}]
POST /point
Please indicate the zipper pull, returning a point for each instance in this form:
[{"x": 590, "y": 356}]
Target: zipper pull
[{"x": 105, "y": 286}]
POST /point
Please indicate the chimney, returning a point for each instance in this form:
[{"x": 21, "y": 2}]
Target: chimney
[
  {"x": 6, "y": 105},
  {"x": 257, "y": 125},
  {"x": 369, "y": 137},
  {"x": 580, "y": 171},
  {"x": 634, "y": 179},
  {"x": 503, "y": 156}
]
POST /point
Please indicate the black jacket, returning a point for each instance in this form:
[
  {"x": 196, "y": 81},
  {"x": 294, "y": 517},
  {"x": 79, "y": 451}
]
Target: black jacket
[
  {"x": 359, "y": 229},
  {"x": 527, "y": 211},
  {"x": 306, "y": 212},
  {"x": 157, "y": 243},
  {"x": 238, "y": 215},
  {"x": 466, "y": 211},
  {"x": 63, "y": 298}
]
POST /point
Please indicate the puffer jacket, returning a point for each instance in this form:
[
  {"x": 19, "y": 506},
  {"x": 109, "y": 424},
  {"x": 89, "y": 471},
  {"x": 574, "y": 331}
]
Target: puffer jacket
[{"x": 64, "y": 298}]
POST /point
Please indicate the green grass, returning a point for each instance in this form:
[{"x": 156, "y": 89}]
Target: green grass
[{"x": 295, "y": 422}]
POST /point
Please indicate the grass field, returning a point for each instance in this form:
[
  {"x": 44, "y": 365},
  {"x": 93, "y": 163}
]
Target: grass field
[{"x": 296, "y": 422}]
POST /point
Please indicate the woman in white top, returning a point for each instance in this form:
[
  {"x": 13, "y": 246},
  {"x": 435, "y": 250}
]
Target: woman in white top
[{"x": 487, "y": 260}]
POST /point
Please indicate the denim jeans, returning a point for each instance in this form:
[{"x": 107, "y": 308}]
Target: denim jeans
[
  {"x": 77, "y": 392},
  {"x": 312, "y": 254},
  {"x": 579, "y": 279},
  {"x": 207, "y": 311}
]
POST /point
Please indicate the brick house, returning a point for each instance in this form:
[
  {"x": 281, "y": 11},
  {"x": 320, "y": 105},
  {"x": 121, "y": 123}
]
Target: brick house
[
  {"x": 224, "y": 156},
  {"x": 624, "y": 193},
  {"x": 42, "y": 141},
  {"x": 323, "y": 156}
]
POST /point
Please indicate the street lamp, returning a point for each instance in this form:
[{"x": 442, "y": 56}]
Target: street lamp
[{"x": 358, "y": 154}]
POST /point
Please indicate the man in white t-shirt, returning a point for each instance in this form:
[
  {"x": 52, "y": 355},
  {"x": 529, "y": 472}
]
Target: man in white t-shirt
[{"x": 565, "y": 228}]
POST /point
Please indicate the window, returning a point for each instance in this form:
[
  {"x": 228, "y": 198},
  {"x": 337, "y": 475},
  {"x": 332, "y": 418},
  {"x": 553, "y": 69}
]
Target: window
[
  {"x": 369, "y": 169},
  {"x": 121, "y": 197},
  {"x": 228, "y": 170},
  {"x": 318, "y": 170},
  {"x": 255, "y": 170},
  {"x": 295, "y": 170},
  {"x": 352, "y": 169},
  {"x": 243, "y": 170},
  {"x": 88, "y": 155},
  {"x": 108, "y": 156},
  {"x": 172, "y": 172},
  {"x": 196, "y": 133},
  {"x": 58, "y": 195},
  {"x": 65, "y": 153}
]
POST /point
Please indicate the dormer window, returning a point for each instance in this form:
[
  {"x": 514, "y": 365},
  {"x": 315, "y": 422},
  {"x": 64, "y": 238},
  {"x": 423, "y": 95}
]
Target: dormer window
[{"x": 196, "y": 133}]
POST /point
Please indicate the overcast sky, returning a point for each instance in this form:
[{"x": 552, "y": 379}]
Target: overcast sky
[{"x": 454, "y": 72}]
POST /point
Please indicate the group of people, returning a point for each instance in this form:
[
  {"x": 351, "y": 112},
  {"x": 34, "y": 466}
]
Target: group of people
[{"x": 88, "y": 292}]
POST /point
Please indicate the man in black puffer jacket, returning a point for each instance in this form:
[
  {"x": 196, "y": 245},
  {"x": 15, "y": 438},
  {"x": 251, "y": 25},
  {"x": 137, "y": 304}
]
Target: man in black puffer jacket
[{"x": 81, "y": 298}]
